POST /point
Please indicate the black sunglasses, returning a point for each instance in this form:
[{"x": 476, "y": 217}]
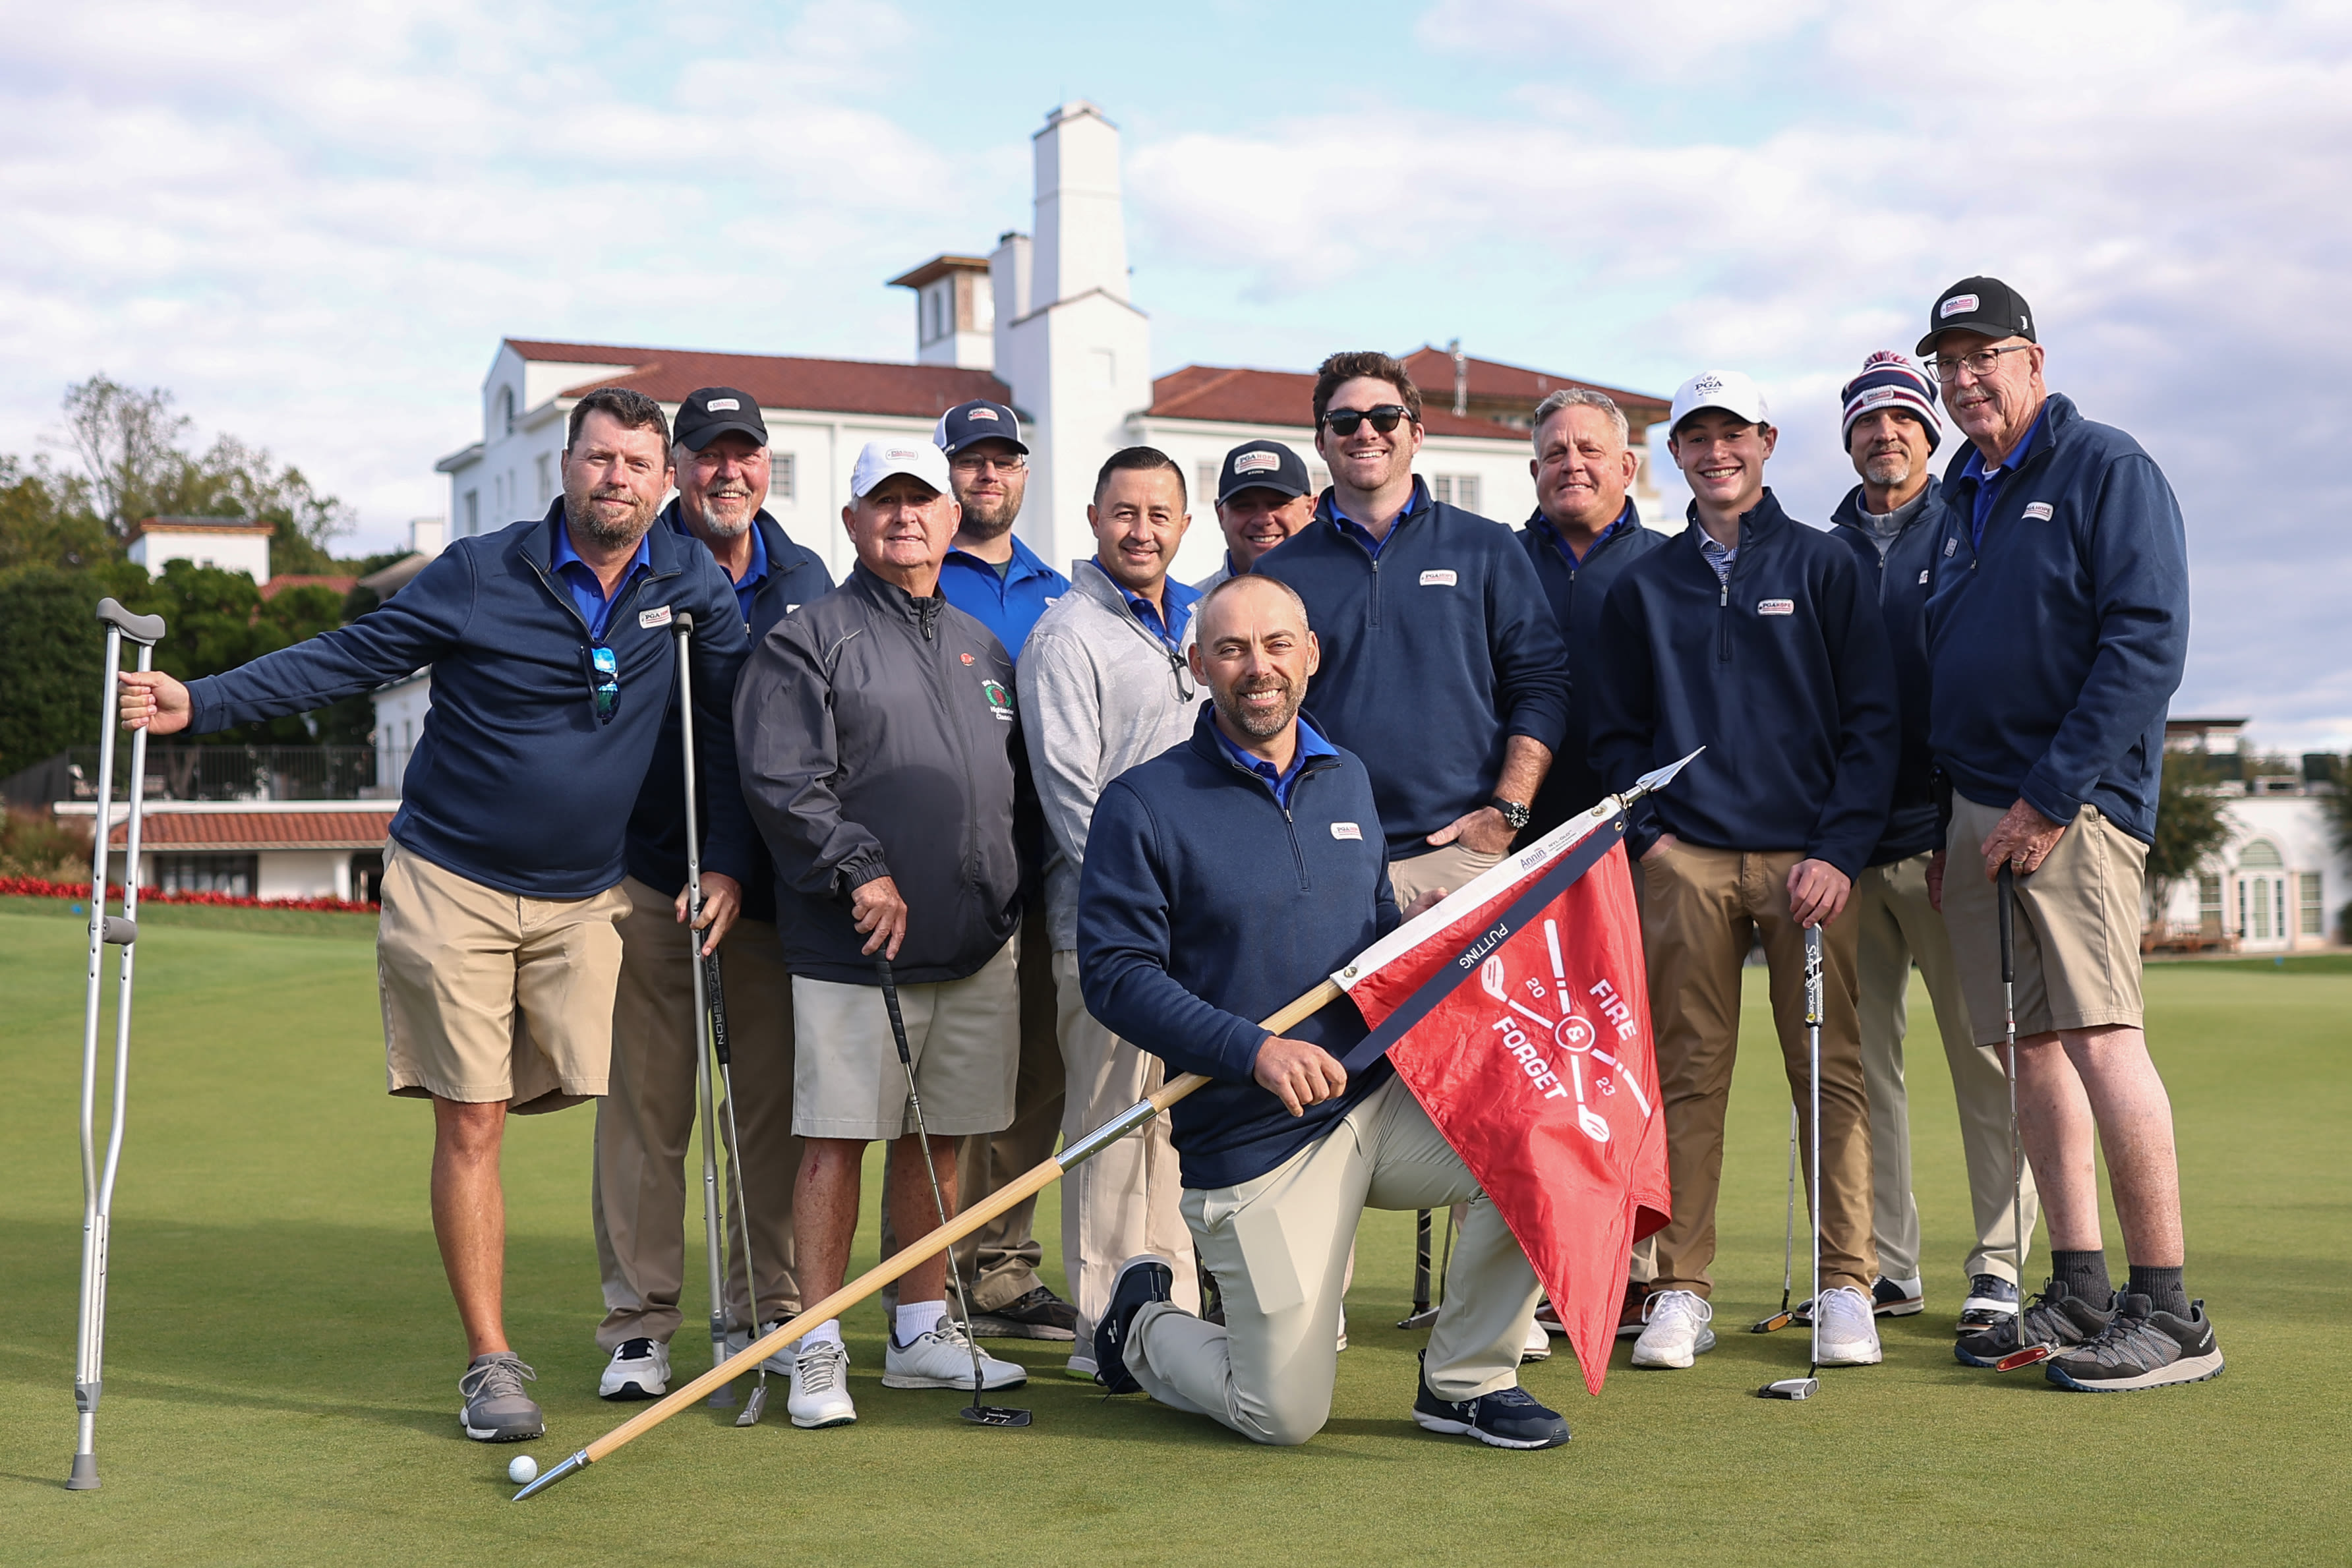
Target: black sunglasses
[
  {"x": 1385, "y": 418},
  {"x": 604, "y": 683}
]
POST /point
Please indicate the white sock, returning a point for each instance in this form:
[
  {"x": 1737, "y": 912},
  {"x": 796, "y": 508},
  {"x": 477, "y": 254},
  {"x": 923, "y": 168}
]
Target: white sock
[
  {"x": 916, "y": 1318},
  {"x": 828, "y": 1329}
]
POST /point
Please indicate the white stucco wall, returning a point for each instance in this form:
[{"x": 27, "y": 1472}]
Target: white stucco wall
[{"x": 304, "y": 874}]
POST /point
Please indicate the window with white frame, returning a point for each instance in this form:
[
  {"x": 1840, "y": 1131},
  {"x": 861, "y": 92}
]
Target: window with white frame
[
  {"x": 1455, "y": 490},
  {"x": 780, "y": 476},
  {"x": 546, "y": 462},
  {"x": 473, "y": 511},
  {"x": 2311, "y": 913}
]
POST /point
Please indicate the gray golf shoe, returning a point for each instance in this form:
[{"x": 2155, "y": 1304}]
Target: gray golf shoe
[{"x": 497, "y": 1410}]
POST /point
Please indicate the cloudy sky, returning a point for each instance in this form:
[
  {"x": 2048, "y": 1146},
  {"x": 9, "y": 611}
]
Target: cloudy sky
[{"x": 313, "y": 223}]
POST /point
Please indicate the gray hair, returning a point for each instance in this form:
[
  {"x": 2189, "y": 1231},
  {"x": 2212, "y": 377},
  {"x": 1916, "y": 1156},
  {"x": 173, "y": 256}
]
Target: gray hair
[{"x": 1581, "y": 397}]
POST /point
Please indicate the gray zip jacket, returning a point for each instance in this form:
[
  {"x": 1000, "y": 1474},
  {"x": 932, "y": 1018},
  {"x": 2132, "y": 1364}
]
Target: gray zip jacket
[
  {"x": 1099, "y": 694},
  {"x": 878, "y": 737}
]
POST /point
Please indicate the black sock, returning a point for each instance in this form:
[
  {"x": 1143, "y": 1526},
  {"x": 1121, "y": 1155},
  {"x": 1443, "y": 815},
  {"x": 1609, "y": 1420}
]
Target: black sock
[
  {"x": 2084, "y": 1275},
  {"x": 2161, "y": 1287}
]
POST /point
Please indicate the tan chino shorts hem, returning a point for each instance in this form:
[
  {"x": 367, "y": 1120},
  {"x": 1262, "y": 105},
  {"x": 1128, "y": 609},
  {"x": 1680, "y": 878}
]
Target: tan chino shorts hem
[
  {"x": 2077, "y": 927},
  {"x": 964, "y": 1037}
]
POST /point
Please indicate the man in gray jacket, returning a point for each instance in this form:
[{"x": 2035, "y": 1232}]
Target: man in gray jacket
[{"x": 1105, "y": 686}]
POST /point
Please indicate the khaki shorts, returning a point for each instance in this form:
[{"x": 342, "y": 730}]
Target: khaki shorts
[
  {"x": 491, "y": 996},
  {"x": 2077, "y": 926},
  {"x": 963, "y": 1036}
]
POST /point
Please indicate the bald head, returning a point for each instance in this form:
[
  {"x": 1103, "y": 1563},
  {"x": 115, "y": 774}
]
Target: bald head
[{"x": 1253, "y": 651}]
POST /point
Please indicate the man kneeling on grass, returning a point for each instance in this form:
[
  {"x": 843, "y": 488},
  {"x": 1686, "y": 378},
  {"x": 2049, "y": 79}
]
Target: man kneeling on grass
[{"x": 1223, "y": 879}]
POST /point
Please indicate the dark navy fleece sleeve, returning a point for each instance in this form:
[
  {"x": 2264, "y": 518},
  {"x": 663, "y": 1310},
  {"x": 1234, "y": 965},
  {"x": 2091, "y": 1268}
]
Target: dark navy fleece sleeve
[
  {"x": 731, "y": 844},
  {"x": 1870, "y": 726},
  {"x": 1624, "y": 709},
  {"x": 1531, "y": 674},
  {"x": 1124, "y": 949}
]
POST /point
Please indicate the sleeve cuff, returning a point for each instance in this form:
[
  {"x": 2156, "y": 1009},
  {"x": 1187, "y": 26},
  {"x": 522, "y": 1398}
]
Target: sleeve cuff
[{"x": 2055, "y": 804}]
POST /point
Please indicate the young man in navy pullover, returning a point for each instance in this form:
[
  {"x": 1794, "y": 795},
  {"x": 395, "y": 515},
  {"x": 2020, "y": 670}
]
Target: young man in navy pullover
[
  {"x": 2057, "y": 626},
  {"x": 1756, "y": 637},
  {"x": 554, "y": 661},
  {"x": 1224, "y": 878}
]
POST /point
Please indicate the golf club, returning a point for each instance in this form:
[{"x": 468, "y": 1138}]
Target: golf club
[
  {"x": 711, "y": 1026},
  {"x": 1782, "y": 1318},
  {"x": 97, "y": 1181},
  {"x": 2025, "y": 1355},
  {"x": 976, "y": 1413},
  {"x": 1805, "y": 1387},
  {"x": 1423, "y": 1313}
]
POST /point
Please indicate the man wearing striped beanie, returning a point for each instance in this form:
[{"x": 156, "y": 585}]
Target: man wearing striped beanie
[{"x": 1893, "y": 519}]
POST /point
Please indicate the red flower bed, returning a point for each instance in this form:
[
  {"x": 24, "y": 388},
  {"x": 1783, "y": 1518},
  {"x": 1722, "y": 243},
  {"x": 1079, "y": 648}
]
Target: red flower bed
[{"x": 34, "y": 887}]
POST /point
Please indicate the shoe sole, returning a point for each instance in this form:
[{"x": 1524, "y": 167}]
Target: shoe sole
[
  {"x": 984, "y": 1326},
  {"x": 1910, "y": 1308},
  {"x": 629, "y": 1391},
  {"x": 2188, "y": 1369},
  {"x": 907, "y": 1380},
  {"x": 1543, "y": 1355},
  {"x": 1875, "y": 1356},
  {"x": 1977, "y": 1321},
  {"x": 819, "y": 1426},
  {"x": 1080, "y": 1373},
  {"x": 1454, "y": 1428},
  {"x": 1700, "y": 1347},
  {"x": 502, "y": 1434}
]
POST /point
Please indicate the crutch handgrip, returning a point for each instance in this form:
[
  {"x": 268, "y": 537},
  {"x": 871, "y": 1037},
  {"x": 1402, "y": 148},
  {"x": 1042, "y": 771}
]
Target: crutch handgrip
[
  {"x": 146, "y": 629},
  {"x": 119, "y": 932},
  {"x": 683, "y": 621},
  {"x": 2007, "y": 903}
]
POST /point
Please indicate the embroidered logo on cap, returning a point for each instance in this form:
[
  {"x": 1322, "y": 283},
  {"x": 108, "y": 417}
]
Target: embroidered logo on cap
[
  {"x": 1708, "y": 386},
  {"x": 1776, "y": 607},
  {"x": 980, "y": 413},
  {"x": 1257, "y": 463},
  {"x": 1347, "y": 830},
  {"x": 2040, "y": 511},
  {"x": 649, "y": 619},
  {"x": 1441, "y": 579},
  {"x": 1955, "y": 305},
  {"x": 723, "y": 405},
  {"x": 901, "y": 454}
]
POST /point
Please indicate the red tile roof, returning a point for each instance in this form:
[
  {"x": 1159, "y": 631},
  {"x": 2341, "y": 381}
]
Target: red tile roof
[
  {"x": 203, "y": 525},
  {"x": 1285, "y": 397},
  {"x": 261, "y": 829},
  {"x": 1432, "y": 370},
  {"x": 831, "y": 386}
]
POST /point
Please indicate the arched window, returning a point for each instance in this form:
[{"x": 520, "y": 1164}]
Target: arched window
[{"x": 2260, "y": 855}]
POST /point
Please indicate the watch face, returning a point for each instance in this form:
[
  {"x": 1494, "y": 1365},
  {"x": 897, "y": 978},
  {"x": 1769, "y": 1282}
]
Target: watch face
[{"x": 1513, "y": 814}]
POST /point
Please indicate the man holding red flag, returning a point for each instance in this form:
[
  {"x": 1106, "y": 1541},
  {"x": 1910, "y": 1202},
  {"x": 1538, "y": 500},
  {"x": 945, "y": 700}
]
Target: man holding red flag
[{"x": 1222, "y": 879}]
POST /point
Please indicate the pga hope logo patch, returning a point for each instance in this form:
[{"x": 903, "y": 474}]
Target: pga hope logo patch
[
  {"x": 1776, "y": 607},
  {"x": 1347, "y": 830},
  {"x": 649, "y": 619}
]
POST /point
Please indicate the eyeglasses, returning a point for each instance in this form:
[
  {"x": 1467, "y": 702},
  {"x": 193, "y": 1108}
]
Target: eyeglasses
[
  {"x": 1385, "y": 418},
  {"x": 1979, "y": 363},
  {"x": 979, "y": 463},
  {"x": 604, "y": 683}
]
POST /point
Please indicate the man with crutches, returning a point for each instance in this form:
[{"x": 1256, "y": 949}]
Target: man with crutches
[
  {"x": 552, "y": 666},
  {"x": 877, "y": 739},
  {"x": 637, "y": 1202},
  {"x": 1755, "y": 637}
]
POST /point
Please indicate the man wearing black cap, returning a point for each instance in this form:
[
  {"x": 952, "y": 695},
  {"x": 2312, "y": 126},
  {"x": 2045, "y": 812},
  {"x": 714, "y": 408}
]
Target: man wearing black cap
[
  {"x": 991, "y": 575},
  {"x": 638, "y": 1196},
  {"x": 1264, "y": 497},
  {"x": 2057, "y": 626}
]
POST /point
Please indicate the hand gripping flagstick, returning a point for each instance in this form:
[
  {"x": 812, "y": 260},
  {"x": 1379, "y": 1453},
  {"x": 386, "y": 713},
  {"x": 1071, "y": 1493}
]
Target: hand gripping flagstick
[{"x": 1140, "y": 1114}]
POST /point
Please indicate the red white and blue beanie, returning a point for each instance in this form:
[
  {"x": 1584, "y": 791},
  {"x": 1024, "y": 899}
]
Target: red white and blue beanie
[{"x": 1890, "y": 381}]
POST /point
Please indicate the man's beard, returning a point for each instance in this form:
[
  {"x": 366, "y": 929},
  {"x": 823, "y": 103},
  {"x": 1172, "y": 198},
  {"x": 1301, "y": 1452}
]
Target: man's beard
[
  {"x": 1261, "y": 726},
  {"x": 1888, "y": 468},
  {"x": 707, "y": 515},
  {"x": 990, "y": 518},
  {"x": 616, "y": 534}
]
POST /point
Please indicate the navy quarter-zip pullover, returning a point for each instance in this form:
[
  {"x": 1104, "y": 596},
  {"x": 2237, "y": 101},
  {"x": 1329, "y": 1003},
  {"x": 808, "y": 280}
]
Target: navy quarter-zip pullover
[
  {"x": 1901, "y": 574},
  {"x": 1577, "y": 591},
  {"x": 1437, "y": 648},
  {"x": 1779, "y": 670},
  {"x": 515, "y": 783},
  {"x": 1206, "y": 905}
]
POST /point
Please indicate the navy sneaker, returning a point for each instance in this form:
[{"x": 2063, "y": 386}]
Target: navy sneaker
[
  {"x": 1507, "y": 1418},
  {"x": 2054, "y": 1319},
  {"x": 2141, "y": 1348},
  {"x": 1141, "y": 1279},
  {"x": 1990, "y": 1300}
]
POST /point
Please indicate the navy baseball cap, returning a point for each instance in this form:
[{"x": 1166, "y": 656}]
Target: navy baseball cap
[
  {"x": 1984, "y": 305},
  {"x": 978, "y": 419},
  {"x": 1263, "y": 465},
  {"x": 713, "y": 411}
]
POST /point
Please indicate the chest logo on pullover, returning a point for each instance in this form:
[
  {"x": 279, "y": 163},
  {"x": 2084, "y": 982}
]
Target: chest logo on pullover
[
  {"x": 1347, "y": 830},
  {"x": 1776, "y": 607},
  {"x": 999, "y": 702},
  {"x": 1443, "y": 579},
  {"x": 2040, "y": 511},
  {"x": 649, "y": 619}
]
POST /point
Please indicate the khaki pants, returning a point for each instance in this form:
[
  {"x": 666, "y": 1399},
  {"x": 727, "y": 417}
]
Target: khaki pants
[
  {"x": 1278, "y": 1246},
  {"x": 1450, "y": 868},
  {"x": 637, "y": 1198},
  {"x": 1130, "y": 1197},
  {"x": 1897, "y": 929},
  {"x": 1704, "y": 906},
  {"x": 1000, "y": 1260}
]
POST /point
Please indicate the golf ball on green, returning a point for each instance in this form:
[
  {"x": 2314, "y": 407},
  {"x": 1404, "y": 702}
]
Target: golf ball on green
[{"x": 524, "y": 1470}]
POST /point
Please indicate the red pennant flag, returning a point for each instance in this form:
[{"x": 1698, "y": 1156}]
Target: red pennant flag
[{"x": 1536, "y": 1063}]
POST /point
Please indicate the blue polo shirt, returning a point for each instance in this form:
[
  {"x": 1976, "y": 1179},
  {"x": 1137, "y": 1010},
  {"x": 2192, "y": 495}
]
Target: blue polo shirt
[
  {"x": 1626, "y": 519},
  {"x": 1309, "y": 744},
  {"x": 1180, "y": 601},
  {"x": 1349, "y": 527},
  {"x": 748, "y": 588},
  {"x": 587, "y": 592},
  {"x": 1989, "y": 480},
  {"x": 1008, "y": 605}
]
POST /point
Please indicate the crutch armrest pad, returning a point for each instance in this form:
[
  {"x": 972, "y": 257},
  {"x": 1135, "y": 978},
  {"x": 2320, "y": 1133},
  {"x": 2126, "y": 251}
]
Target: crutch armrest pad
[{"x": 147, "y": 629}]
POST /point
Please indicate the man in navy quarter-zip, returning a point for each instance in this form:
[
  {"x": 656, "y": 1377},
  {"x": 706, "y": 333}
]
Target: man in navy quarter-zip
[
  {"x": 1224, "y": 878},
  {"x": 554, "y": 664},
  {"x": 1758, "y": 638}
]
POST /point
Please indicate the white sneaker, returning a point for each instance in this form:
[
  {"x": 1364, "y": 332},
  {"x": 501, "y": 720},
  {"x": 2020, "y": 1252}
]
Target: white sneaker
[
  {"x": 638, "y": 1370},
  {"x": 781, "y": 1364},
  {"x": 1849, "y": 1337},
  {"x": 1081, "y": 1364},
  {"x": 1675, "y": 1331},
  {"x": 1539, "y": 1345},
  {"x": 819, "y": 1391},
  {"x": 941, "y": 1358}
]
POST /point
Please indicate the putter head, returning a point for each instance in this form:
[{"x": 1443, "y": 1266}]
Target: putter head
[
  {"x": 754, "y": 1407},
  {"x": 1791, "y": 1389},
  {"x": 1420, "y": 1320},
  {"x": 2031, "y": 1355},
  {"x": 995, "y": 1415},
  {"x": 1774, "y": 1323}
]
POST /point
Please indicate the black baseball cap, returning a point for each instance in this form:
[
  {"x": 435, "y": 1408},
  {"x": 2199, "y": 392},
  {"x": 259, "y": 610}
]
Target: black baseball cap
[
  {"x": 713, "y": 411},
  {"x": 978, "y": 419},
  {"x": 1263, "y": 465},
  {"x": 1984, "y": 305}
]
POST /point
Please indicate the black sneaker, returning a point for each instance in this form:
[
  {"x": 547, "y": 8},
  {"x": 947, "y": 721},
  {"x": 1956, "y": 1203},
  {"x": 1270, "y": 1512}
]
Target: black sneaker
[
  {"x": 1037, "y": 1314},
  {"x": 1141, "y": 1279},
  {"x": 2141, "y": 1348},
  {"x": 1897, "y": 1298},
  {"x": 2054, "y": 1319},
  {"x": 1507, "y": 1418},
  {"x": 1991, "y": 1301}
]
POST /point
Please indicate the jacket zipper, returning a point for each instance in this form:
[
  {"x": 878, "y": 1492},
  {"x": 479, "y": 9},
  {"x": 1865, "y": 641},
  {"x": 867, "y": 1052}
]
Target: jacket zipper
[
  {"x": 1723, "y": 617},
  {"x": 1298, "y": 852}
]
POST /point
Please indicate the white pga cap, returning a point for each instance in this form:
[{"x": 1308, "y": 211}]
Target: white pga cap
[
  {"x": 881, "y": 459},
  {"x": 1734, "y": 391}
]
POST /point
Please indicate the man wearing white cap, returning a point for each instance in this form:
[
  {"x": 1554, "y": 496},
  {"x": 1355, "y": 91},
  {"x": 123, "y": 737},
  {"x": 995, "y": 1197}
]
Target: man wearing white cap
[
  {"x": 881, "y": 741},
  {"x": 1758, "y": 638}
]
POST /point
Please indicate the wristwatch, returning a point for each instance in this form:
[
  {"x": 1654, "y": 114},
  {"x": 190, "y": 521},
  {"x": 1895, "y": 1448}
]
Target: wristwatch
[{"x": 1515, "y": 815}]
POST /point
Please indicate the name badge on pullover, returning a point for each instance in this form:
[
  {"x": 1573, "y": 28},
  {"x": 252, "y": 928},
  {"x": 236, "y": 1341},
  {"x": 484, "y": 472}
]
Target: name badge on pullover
[
  {"x": 1347, "y": 830},
  {"x": 2040, "y": 511},
  {"x": 649, "y": 619},
  {"x": 1776, "y": 607},
  {"x": 1441, "y": 578}
]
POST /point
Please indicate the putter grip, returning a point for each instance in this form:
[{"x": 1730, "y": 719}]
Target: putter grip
[
  {"x": 147, "y": 629},
  {"x": 890, "y": 1005},
  {"x": 716, "y": 993},
  {"x": 2007, "y": 900}
]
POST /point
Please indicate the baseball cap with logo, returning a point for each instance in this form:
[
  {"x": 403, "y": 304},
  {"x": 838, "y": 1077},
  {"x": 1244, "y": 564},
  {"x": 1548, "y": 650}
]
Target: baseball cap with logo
[
  {"x": 1263, "y": 465},
  {"x": 1734, "y": 391},
  {"x": 881, "y": 459},
  {"x": 1984, "y": 305},
  {"x": 978, "y": 419},
  {"x": 1891, "y": 382},
  {"x": 713, "y": 411}
]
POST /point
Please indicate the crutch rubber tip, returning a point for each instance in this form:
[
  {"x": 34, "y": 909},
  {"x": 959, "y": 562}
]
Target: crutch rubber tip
[{"x": 85, "y": 1473}]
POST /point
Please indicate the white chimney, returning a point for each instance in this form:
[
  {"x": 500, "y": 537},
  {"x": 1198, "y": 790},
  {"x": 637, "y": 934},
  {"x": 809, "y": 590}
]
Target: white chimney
[{"x": 427, "y": 536}]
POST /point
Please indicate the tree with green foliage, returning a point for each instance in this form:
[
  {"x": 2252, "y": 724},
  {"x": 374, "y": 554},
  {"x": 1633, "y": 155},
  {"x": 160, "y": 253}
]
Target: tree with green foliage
[{"x": 2189, "y": 828}]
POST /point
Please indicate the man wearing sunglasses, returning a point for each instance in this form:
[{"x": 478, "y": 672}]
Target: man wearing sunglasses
[
  {"x": 1104, "y": 686},
  {"x": 2057, "y": 627},
  {"x": 554, "y": 661},
  {"x": 637, "y": 1199},
  {"x": 1442, "y": 667}
]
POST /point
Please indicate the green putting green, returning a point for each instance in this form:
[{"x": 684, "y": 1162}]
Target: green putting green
[{"x": 282, "y": 1356}]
